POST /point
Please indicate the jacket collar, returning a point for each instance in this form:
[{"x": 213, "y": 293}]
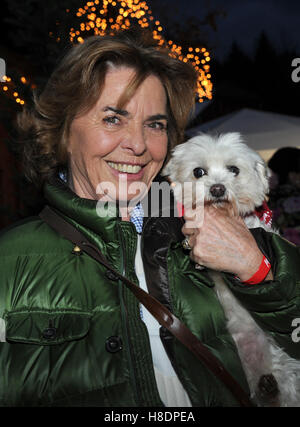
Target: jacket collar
[
  {"x": 85, "y": 212},
  {"x": 82, "y": 211}
]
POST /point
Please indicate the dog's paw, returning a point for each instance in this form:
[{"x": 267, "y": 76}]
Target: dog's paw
[{"x": 267, "y": 391}]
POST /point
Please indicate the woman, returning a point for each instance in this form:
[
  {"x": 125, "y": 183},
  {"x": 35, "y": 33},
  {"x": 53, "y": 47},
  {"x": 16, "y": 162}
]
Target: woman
[
  {"x": 75, "y": 336},
  {"x": 285, "y": 194}
]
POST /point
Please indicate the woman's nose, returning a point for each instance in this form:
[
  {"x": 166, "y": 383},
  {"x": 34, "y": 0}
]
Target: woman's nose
[{"x": 135, "y": 140}]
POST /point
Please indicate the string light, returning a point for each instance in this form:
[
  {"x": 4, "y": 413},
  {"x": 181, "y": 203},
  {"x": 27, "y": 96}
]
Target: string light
[
  {"x": 96, "y": 18},
  {"x": 100, "y": 22},
  {"x": 9, "y": 89}
]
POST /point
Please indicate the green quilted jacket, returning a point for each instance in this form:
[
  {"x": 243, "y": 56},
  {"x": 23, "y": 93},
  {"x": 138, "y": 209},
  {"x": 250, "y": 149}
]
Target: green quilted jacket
[{"x": 74, "y": 336}]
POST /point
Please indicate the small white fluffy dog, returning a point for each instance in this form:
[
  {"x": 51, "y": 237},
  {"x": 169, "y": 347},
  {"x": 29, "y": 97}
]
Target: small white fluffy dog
[{"x": 233, "y": 173}]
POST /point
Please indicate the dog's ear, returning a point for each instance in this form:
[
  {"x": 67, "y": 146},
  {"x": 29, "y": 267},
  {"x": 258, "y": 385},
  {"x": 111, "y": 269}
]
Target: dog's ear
[
  {"x": 167, "y": 169},
  {"x": 264, "y": 174}
]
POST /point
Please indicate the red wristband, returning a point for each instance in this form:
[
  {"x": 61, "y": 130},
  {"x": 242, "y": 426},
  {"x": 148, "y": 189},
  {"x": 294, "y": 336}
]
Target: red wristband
[{"x": 261, "y": 273}]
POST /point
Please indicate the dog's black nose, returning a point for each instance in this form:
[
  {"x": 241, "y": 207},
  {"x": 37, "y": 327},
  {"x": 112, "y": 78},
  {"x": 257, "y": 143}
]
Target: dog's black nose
[{"x": 217, "y": 190}]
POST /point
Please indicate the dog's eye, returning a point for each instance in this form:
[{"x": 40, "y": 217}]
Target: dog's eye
[
  {"x": 199, "y": 172},
  {"x": 234, "y": 169}
]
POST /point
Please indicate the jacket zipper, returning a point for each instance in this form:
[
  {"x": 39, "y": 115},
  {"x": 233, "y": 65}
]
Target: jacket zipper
[
  {"x": 164, "y": 330},
  {"x": 124, "y": 314}
]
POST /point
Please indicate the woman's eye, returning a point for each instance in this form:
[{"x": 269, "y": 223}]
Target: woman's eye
[
  {"x": 234, "y": 169},
  {"x": 158, "y": 126},
  {"x": 111, "y": 120},
  {"x": 199, "y": 172}
]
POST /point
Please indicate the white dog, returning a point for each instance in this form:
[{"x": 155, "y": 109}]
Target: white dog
[{"x": 230, "y": 172}]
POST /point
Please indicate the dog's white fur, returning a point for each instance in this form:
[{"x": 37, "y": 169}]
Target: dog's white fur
[{"x": 259, "y": 353}]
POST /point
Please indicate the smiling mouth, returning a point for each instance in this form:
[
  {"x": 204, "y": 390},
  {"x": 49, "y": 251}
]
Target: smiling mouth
[{"x": 126, "y": 168}]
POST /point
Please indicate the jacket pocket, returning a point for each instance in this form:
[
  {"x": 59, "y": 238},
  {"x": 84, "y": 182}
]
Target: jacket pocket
[{"x": 46, "y": 327}]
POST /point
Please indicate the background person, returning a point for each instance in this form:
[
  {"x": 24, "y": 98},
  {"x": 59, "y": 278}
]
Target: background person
[{"x": 285, "y": 193}]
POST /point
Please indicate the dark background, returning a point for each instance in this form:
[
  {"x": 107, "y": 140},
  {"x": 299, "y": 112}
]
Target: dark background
[{"x": 251, "y": 43}]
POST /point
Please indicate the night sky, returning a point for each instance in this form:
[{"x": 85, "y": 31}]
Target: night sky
[{"x": 244, "y": 21}]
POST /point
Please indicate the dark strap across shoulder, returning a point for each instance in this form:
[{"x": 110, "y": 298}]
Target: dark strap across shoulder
[{"x": 159, "y": 311}]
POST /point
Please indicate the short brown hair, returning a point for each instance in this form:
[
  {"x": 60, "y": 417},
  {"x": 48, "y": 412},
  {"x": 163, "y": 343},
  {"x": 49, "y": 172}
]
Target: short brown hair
[{"x": 75, "y": 85}]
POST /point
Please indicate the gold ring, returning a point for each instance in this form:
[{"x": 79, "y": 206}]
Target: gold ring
[{"x": 186, "y": 245}]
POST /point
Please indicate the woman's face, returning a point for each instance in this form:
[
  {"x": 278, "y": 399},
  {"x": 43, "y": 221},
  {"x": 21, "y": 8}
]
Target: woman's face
[{"x": 119, "y": 147}]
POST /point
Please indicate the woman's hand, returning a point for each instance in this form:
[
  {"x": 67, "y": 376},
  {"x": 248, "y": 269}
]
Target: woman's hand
[{"x": 222, "y": 242}]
